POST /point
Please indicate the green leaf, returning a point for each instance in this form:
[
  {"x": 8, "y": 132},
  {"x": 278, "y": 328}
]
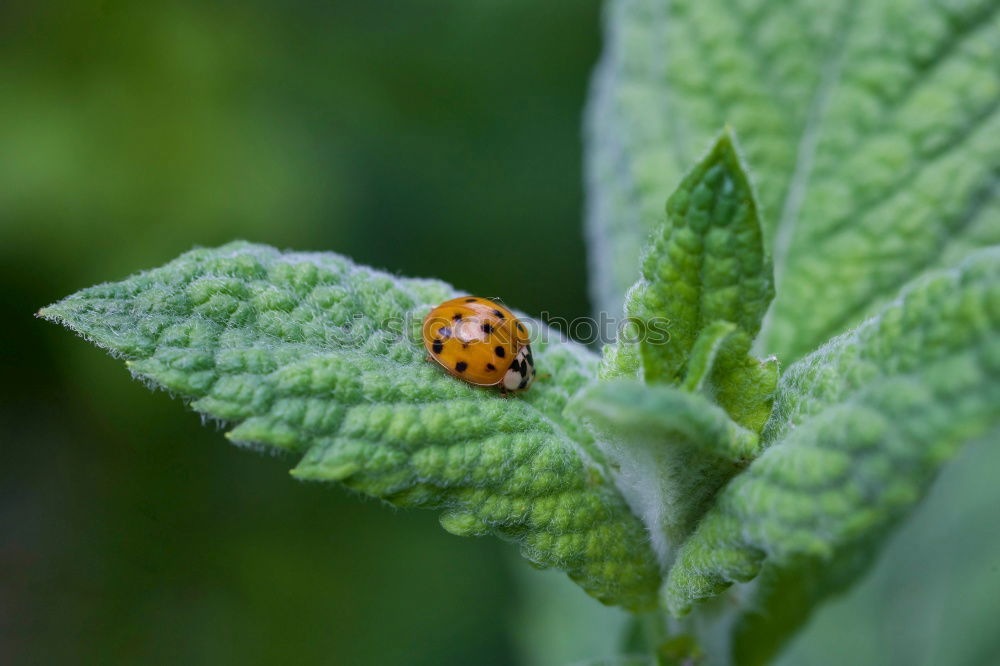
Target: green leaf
[
  {"x": 859, "y": 429},
  {"x": 672, "y": 451},
  {"x": 621, "y": 359},
  {"x": 743, "y": 385},
  {"x": 704, "y": 354},
  {"x": 720, "y": 366},
  {"x": 873, "y": 128},
  {"x": 311, "y": 354},
  {"x": 705, "y": 286},
  {"x": 705, "y": 264},
  {"x": 934, "y": 584}
]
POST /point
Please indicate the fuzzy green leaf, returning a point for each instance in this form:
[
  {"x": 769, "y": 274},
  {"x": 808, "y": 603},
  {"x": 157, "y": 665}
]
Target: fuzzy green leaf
[
  {"x": 743, "y": 385},
  {"x": 672, "y": 451},
  {"x": 311, "y": 354},
  {"x": 859, "y": 429},
  {"x": 705, "y": 264},
  {"x": 705, "y": 353},
  {"x": 720, "y": 366},
  {"x": 706, "y": 283},
  {"x": 873, "y": 128},
  {"x": 932, "y": 596}
]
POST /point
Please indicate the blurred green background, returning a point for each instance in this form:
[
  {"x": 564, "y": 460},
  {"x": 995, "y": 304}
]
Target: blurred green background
[
  {"x": 398, "y": 133},
  {"x": 401, "y": 134}
]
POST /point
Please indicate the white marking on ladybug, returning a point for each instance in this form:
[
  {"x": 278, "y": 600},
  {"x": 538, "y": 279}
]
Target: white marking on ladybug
[{"x": 521, "y": 372}]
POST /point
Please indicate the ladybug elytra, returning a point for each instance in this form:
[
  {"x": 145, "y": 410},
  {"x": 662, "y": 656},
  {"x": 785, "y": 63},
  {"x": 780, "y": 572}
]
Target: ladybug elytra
[{"x": 481, "y": 342}]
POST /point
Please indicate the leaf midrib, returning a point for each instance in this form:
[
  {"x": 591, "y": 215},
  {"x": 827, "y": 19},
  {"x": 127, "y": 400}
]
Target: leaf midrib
[{"x": 809, "y": 141}]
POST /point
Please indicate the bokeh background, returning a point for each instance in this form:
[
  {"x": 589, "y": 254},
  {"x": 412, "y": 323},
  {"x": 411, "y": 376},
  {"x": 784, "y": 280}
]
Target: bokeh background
[{"x": 427, "y": 137}]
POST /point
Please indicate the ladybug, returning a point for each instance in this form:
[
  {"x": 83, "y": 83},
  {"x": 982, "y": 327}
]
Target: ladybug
[{"x": 481, "y": 342}]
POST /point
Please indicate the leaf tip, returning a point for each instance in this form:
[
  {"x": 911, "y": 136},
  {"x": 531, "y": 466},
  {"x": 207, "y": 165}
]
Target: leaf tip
[
  {"x": 727, "y": 135},
  {"x": 50, "y": 313},
  {"x": 727, "y": 146}
]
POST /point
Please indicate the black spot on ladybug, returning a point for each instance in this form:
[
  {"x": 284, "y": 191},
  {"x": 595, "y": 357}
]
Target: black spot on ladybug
[
  {"x": 470, "y": 300},
  {"x": 437, "y": 346},
  {"x": 444, "y": 332},
  {"x": 499, "y": 351},
  {"x": 498, "y": 313},
  {"x": 457, "y": 316},
  {"x": 524, "y": 382},
  {"x": 523, "y": 369},
  {"x": 519, "y": 327},
  {"x": 516, "y": 366},
  {"x": 461, "y": 366},
  {"x": 487, "y": 328},
  {"x": 491, "y": 367}
]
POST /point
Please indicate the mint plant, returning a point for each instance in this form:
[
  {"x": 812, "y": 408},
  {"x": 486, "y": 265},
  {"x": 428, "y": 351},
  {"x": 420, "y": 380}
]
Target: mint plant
[{"x": 831, "y": 295}]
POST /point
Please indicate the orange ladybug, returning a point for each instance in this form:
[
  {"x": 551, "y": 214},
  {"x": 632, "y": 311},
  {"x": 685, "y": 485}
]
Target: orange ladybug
[{"x": 481, "y": 342}]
